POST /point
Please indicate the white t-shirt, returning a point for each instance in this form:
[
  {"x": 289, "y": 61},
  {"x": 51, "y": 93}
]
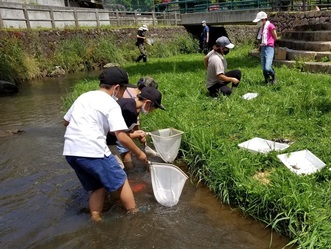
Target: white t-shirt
[
  {"x": 216, "y": 65},
  {"x": 90, "y": 118}
]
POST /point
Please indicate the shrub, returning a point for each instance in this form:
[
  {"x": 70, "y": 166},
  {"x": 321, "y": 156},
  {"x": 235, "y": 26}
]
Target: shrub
[
  {"x": 15, "y": 64},
  {"x": 70, "y": 54}
]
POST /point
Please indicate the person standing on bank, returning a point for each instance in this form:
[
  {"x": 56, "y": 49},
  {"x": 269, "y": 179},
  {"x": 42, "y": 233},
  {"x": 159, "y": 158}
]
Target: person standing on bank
[
  {"x": 88, "y": 121},
  {"x": 140, "y": 43},
  {"x": 217, "y": 78},
  {"x": 205, "y": 37},
  {"x": 267, "y": 36}
]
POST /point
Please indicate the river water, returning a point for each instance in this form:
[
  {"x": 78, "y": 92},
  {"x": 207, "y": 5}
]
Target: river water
[{"x": 42, "y": 204}]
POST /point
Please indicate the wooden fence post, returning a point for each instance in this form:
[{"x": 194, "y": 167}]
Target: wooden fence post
[
  {"x": 117, "y": 19},
  {"x": 26, "y": 16},
  {"x": 52, "y": 18},
  {"x": 2, "y": 25},
  {"x": 164, "y": 17},
  {"x": 76, "y": 18},
  {"x": 176, "y": 21},
  {"x": 135, "y": 17},
  {"x": 97, "y": 18},
  {"x": 154, "y": 19}
]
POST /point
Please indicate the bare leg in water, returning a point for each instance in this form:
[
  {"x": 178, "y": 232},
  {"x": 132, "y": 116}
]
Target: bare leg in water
[{"x": 96, "y": 201}]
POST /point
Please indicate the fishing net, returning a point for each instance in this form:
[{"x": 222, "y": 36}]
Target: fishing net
[
  {"x": 167, "y": 181},
  {"x": 167, "y": 143}
]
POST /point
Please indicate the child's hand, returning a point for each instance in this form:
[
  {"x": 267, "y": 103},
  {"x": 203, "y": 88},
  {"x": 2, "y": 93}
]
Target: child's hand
[
  {"x": 142, "y": 157},
  {"x": 139, "y": 134}
]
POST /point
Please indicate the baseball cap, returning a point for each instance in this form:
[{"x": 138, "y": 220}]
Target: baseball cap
[
  {"x": 223, "y": 41},
  {"x": 144, "y": 27},
  {"x": 259, "y": 16},
  {"x": 203, "y": 21},
  {"x": 114, "y": 76},
  {"x": 153, "y": 95}
]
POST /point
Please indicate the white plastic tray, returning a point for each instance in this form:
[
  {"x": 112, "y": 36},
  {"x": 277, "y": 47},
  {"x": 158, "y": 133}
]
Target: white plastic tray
[
  {"x": 249, "y": 96},
  {"x": 257, "y": 144},
  {"x": 302, "y": 162}
]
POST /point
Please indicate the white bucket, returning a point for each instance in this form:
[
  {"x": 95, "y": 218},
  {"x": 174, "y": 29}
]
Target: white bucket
[
  {"x": 167, "y": 181},
  {"x": 167, "y": 143}
]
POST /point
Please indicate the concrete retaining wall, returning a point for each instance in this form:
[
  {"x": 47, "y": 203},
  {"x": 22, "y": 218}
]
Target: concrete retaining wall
[
  {"x": 59, "y": 3},
  {"x": 30, "y": 16}
]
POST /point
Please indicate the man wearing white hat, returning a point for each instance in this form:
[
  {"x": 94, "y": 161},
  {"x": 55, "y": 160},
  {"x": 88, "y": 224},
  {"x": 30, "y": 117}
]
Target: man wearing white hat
[
  {"x": 141, "y": 36},
  {"x": 217, "y": 78},
  {"x": 267, "y": 36}
]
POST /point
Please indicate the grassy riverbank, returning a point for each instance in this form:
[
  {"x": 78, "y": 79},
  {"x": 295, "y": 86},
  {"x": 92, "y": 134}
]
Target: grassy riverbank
[
  {"x": 297, "y": 109},
  {"x": 28, "y": 54}
]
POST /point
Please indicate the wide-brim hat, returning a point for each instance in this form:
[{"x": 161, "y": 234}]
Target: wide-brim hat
[{"x": 144, "y": 27}]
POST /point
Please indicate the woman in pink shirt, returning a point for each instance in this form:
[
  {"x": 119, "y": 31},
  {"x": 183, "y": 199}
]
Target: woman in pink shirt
[{"x": 267, "y": 35}]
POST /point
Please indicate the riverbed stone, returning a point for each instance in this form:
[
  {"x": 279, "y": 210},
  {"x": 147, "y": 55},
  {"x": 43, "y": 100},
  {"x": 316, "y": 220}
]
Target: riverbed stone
[
  {"x": 7, "y": 88},
  {"x": 6, "y": 133}
]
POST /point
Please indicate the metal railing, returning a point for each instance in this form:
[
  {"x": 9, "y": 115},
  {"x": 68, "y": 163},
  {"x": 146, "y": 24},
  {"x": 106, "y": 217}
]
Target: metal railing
[
  {"x": 193, "y": 6},
  {"x": 47, "y": 17}
]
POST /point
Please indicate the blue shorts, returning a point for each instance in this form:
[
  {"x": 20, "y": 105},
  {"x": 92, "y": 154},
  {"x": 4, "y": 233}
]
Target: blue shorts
[
  {"x": 120, "y": 148},
  {"x": 95, "y": 173}
]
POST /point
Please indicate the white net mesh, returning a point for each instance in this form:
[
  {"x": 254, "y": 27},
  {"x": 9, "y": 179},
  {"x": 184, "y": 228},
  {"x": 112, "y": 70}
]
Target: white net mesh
[
  {"x": 167, "y": 143},
  {"x": 167, "y": 181}
]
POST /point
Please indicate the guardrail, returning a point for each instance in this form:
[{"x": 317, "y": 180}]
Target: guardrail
[
  {"x": 193, "y": 6},
  {"x": 47, "y": 17}
]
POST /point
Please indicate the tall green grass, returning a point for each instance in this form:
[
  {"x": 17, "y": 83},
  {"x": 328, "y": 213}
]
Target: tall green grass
[
  {"x": 16, "y": 64},
  {"x": 78, "y": 52},
  {"x": 297, "y": 108}
]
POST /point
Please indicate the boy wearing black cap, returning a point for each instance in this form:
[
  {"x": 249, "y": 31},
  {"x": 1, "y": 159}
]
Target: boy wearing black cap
[
  {"x": 217, "y": 78},
  {"x": 146, "y": 101},
  {"x": 132, "y": 93},
  {"x": 88, "y": 121}
]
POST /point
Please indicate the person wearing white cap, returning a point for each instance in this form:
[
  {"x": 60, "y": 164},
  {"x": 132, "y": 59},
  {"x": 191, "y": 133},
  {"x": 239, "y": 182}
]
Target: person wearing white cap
[
  {"x": 217, "y": 78},
  {"x": 205, "y": 37},
  {"x": 267, "y": 36},
  {"x": 141, "y": 37}
]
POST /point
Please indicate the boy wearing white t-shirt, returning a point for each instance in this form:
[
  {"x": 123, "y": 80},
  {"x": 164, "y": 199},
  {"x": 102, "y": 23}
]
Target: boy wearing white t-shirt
[{"x": 88, "y": 122}]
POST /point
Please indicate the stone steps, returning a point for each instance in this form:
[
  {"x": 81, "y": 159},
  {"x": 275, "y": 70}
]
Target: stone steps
[
  {"x": 305, "y": 66},
  {"x": 312, "y": 67},
  {"x": 321, "y": 35},
  {"x": 305, "y": 45},
  {"x": 308, "y": 55},
  {"x": 313, "y": 27}
]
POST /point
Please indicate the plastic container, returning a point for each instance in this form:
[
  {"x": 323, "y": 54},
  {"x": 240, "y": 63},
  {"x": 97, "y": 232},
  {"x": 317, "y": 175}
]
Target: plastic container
[
  {"x": 302, "y": 162},
  {"x": 257, "y": 144},
  {"x": 249, "y": 96}
]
